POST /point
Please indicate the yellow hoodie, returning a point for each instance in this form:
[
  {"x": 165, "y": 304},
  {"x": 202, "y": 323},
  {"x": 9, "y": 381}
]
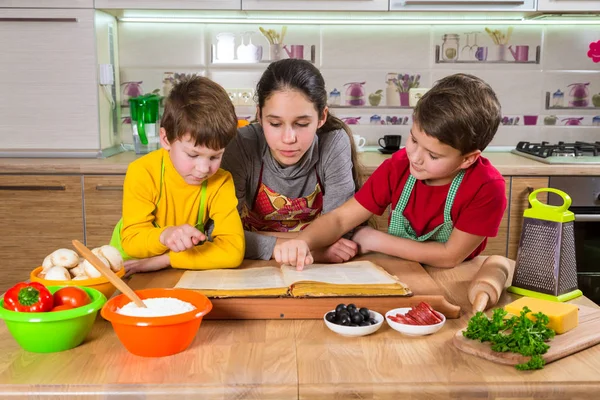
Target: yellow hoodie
[{"x": 178, "y": 205}]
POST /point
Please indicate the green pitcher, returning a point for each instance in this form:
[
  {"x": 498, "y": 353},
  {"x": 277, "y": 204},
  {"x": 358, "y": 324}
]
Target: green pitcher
[{"x": 144, "y": 116}]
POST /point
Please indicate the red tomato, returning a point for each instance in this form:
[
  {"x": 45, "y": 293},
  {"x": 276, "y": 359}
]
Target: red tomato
[
  {"x": 62, "y": 307},
  {"x": 71, "y": 296}
]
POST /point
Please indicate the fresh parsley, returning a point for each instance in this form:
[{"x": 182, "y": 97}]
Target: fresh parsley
[{"x": 517, "y": 334}]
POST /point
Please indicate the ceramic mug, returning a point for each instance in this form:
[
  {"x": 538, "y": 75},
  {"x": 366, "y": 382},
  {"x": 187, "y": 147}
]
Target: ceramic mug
[
  {"x": 481, "y": 53},
  {"x": 360, "y": 142},
  {"x": 390, "y": 142}
]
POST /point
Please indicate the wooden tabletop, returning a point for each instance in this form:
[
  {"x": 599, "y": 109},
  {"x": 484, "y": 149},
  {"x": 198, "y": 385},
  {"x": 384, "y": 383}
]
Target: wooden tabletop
[{"x": 290, "y": 359}]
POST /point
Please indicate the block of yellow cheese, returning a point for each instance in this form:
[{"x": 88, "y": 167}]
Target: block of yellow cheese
[{"x": 563, "y": 317}]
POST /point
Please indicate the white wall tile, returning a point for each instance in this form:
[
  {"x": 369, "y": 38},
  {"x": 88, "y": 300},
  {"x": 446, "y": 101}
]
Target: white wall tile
[
  {"x": 373, "y": 47},
  {"x": 148, "y": 45},
  {"x": 566, "y": 47},
  {"x": 519, "y": 92}
]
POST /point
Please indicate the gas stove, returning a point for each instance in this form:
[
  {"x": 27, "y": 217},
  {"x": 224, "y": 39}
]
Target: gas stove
[{"x": 561, "y": 152}]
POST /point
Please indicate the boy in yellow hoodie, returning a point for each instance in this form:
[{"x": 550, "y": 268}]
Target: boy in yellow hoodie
[{"x": 170, "y": 194}]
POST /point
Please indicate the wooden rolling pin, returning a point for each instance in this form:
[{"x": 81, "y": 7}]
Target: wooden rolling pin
[{"x": 488, "y": 284}]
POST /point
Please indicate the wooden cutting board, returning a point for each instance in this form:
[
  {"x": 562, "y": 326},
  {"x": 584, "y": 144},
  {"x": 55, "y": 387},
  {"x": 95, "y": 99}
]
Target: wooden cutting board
[
  {"x": 586, "y": 334},
  {"x": 411, "y": 273}
]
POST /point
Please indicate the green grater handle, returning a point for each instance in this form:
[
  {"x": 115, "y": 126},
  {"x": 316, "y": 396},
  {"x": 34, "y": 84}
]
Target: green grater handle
[{"x": 547, "y": 212}]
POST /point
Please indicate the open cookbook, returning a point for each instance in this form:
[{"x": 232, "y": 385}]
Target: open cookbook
[{"x": 356, "y": 278}]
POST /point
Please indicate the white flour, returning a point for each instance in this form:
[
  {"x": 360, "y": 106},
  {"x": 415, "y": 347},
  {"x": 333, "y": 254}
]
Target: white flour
[{"x": 157, "y": 307}]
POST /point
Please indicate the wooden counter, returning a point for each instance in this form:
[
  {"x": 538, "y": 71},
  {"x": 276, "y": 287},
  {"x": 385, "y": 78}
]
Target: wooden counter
[
  {"x": 507, "y": 163},
  {"x": 290, "y": 359}
]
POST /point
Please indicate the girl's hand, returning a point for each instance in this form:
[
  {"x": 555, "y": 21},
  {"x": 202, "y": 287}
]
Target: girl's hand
[
  {"x": 293, "y": 252},
  {"x": 182, "y": 237},
  {"x": 363, "y": 236},
  {"x": 341, "y": 251},
  {"x": 147, "y": 264}
]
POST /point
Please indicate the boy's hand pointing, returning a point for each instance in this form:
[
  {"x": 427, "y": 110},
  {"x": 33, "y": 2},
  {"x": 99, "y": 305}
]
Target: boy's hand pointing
[{"x": 293, "y": 252}]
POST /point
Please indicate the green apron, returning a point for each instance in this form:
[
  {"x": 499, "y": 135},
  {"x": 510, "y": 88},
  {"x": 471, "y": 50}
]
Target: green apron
[
  {"x": 115, "y": 240},
  {"x": 400, "y": 226}
]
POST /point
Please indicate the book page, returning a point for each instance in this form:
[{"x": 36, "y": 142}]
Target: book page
[
  {"x": 232, "y": 279},
  {"x": 350, "y": 273}
]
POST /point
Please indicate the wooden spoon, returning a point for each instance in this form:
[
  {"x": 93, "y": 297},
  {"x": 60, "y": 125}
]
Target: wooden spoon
[{"x": 107, "y": 272}]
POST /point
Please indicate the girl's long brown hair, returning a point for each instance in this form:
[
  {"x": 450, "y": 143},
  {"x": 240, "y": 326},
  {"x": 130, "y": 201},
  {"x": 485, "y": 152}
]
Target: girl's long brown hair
[{"x": 303, "y": 76}]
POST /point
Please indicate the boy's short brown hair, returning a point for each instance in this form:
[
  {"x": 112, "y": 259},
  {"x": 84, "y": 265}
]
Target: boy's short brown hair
[
  {"x": 201, "y": 108},
  {"x": 461, "y": 111}
]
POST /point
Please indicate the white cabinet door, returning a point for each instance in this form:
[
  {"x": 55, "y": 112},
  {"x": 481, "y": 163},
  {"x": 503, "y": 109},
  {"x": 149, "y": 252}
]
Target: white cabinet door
[
  {"x": 46, "y": 3},
  {"x": 171, "y": 4},
  {"x": 568, "y": 5},
  {"x": 48, "y": 78},
  {"x": 316, "y": 5},
  {"x": 462, "y": 5}
]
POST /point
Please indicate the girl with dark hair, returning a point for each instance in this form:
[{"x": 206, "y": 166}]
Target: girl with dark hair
[{"x": 295, "y": 163}]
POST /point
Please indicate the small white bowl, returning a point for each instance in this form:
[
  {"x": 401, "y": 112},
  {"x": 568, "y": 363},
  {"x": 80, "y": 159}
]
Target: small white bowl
[
  {"x": 413, "y": 330},
  {"x": 355, "y": 331}
]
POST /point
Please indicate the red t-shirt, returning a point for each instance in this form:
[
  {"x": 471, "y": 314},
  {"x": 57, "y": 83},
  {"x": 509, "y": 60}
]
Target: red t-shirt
[{"x": 477, "y": 209}]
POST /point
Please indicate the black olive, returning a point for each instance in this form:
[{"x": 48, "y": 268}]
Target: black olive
[
  {"x": 357, "y": 318},
  {"x": 330, "y": 316},
  {"x": 351, "y": 307},
  {"x": 340, "y": 307},
  {"x": 372, "y": 321},
  {"x": 364, "y": 323},
  {"x": 365, "y": 313},
  {"x": 345, "y": 320},
  {"x": 353, "y": 325}
]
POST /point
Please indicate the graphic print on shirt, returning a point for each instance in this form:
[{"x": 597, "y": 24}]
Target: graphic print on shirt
[{"x": 274, "y": 212}]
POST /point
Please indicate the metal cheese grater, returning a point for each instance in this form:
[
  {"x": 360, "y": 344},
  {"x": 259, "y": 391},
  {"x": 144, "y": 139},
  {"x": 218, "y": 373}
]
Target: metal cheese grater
[{"x": 546, "y": 266}]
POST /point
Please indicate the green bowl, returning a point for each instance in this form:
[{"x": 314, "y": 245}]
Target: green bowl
[{"x": 49, "y": 332}]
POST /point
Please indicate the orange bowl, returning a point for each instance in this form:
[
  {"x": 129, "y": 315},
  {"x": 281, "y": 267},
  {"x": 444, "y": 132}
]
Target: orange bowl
[
  {"x": 157, "y": 336},
  {"x": 102, "y": 284}
]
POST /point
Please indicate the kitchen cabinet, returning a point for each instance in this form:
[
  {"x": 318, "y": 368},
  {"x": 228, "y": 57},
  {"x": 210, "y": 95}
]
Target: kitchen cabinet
[
  {"x": 103, "y": 205},
  {"x": 48, "y": 80},
  {"x": 499, "y": 245},
  {"x": 316, "y": 5},
  {"x": 39, "y": 214},
  {"x": 568, "y": 5},
  {"x": 171, "y": 5},
  {"x": 521, "y": 187},
  {"x": 382, "y": 222},
  {"x": 46, "y": 3},
  {"x": 462, "y": 5}
]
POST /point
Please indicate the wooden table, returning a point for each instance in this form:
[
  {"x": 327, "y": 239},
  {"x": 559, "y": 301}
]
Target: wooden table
[{"x": 290, "y": 359}]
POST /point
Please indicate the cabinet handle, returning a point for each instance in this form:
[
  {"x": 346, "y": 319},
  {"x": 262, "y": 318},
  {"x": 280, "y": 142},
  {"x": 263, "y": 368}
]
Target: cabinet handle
[
  {"x": 109, "y": 188},
  {"x": 32, "y": 19},
  {"x": 461, "y": 2},
  {"x": 33, "y": 188}
]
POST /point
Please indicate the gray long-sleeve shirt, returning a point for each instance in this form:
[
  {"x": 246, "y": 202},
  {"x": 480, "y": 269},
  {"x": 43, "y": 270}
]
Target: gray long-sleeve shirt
[{"x": 248, "y": 152}]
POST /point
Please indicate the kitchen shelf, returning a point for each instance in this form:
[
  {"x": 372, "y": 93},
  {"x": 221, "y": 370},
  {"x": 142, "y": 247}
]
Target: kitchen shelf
[
  {"x": 245, "y": 64},
  {"x": 440, "y": 61},
  {"x": 373, "y": 107},
  {"x": 549, "y": 107}
]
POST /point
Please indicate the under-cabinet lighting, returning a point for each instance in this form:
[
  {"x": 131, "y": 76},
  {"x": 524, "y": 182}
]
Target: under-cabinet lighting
[{"x": 504, "y": 21}]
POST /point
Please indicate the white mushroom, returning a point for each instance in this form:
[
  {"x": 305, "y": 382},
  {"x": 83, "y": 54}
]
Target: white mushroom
[
  {"x": 113, "y": 256},
  {"x": 78, "y": 270},
  {"x": 57, "y": 274},
  {"x": 81, "y": 277},
  {"x": 47, "y": 264},
  {"x": 91, "y": 271},
  {"x": 65, "y": 258}
]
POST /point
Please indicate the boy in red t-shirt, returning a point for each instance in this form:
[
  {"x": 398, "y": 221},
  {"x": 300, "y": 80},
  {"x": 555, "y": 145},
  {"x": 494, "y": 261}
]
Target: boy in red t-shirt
[{"x": 446, "y": 199}]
